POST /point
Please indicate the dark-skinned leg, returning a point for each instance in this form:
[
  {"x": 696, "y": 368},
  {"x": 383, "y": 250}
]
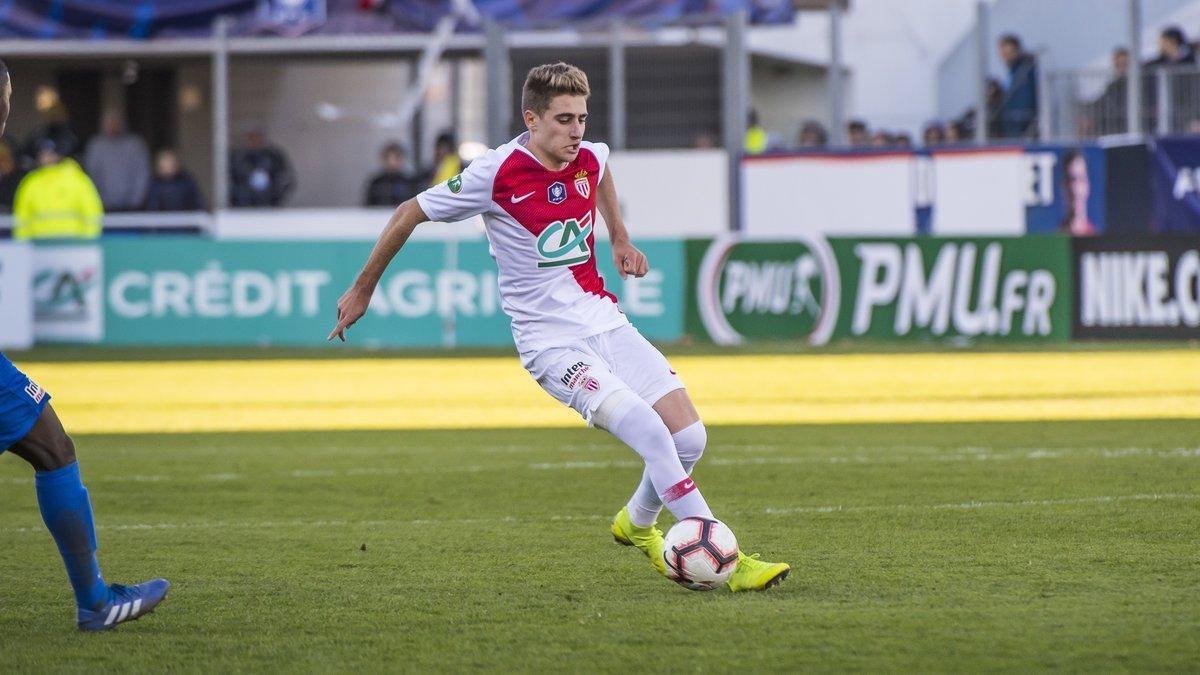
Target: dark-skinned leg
[
  {"x": 47, "y": 446},
  {"x": 65, "y": 506}
]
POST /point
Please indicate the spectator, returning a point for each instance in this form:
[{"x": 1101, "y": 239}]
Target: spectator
[
  {"x": 994, "y": 97},
  {"x": 880, "y": 139},
  {"x": 955, "y": 132},
  {"x": 119, "y": 164},
  {"x": 704, "y": 141},
  {"x": 10, "y": 178},
  {"x": 1109, "y": 113},
  {"x": 392, "y": 185},
  {"x": 812, "y": 135},
  {"x": 857, "y": 134},
  {"x": 1173, "y": 49},
  {"x": 902, "y": 140},
  {"x": 173, "y": 188},
  {"x": 260, "y": 173},
  {"x": 57, "y": 200},
  {"x": 935, "y": 134},
  {"x": 54, "y": 127},
  {"x": 446, "y": 162},
  {"x": 756, "y": 135},
  {"x": 1018, "y": 108}
]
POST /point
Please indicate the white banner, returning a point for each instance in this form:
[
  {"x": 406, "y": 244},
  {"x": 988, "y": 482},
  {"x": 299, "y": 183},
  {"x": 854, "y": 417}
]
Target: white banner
[
  {"x": 67, "y": 293},
  {"x": 16, "y": 300},
  {"x": 847, "y": 195},
  {"x": 980, "y": 192},
  {"x": 957, "y": 192}
]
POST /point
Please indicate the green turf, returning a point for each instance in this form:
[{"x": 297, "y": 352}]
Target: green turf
[{"x": 915, "y": 548}]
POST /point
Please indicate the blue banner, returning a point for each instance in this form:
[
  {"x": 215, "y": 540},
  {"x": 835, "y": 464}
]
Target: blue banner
[
  {"x": 1176, "y": 180},
  {"x": 143, "y": 19},
  {"x": 1067, "y": 191}
]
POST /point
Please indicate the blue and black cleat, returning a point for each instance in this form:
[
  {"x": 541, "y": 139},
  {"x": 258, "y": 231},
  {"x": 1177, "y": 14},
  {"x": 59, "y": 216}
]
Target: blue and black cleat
[{"x": 125, "y": 603}]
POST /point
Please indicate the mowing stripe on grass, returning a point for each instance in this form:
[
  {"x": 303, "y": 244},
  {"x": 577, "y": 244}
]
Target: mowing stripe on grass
[
  {"x": 770, "y": 511},
  {"x": 972, "y": 454},
  {"x": 185, "y": 396}
]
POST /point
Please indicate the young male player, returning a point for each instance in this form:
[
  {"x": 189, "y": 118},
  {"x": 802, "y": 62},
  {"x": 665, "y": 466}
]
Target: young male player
[
  {"x": 31, "y": 430},
  {"x": 538, "y": 196}
]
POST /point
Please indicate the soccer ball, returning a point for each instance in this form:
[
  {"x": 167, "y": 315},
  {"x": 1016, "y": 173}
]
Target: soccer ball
[{"x": 700, "y": 553}]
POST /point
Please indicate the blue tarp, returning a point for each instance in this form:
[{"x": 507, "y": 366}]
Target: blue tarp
[{"x": 144, "y": 19}]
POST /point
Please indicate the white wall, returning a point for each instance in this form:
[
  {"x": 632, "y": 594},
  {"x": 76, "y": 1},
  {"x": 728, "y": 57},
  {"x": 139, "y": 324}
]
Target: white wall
[{"x": 893, "y": 49}]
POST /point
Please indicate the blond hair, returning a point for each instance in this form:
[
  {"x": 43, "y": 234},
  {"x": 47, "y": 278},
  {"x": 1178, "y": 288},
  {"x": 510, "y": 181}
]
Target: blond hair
[{"x": 549, "y": 80}]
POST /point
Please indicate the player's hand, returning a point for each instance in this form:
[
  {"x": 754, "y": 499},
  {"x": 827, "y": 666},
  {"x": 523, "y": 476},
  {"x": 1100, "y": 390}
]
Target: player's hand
[
  {"x": 350, "y": 308},
  {"x": 629, "y": 260}
]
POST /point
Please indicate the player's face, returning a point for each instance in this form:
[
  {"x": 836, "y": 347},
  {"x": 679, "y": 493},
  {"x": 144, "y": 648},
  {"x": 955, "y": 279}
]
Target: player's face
[{"x": 559, "y": 130}]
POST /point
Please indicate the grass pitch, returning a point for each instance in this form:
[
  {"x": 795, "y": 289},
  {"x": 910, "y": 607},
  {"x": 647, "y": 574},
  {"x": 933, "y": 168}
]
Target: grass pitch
[{"x": 950, "y": 546}]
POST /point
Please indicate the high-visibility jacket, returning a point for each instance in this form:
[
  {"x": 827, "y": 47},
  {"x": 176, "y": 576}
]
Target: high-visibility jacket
[
  {"x": 57, "y": 201},
  {"x": 448, "y": 168},
  {"x": 756, "y": 141}
]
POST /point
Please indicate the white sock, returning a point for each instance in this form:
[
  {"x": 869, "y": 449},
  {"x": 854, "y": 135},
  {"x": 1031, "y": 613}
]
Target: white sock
[
  {"x": 645, "y": 505},
  {"x": 638, "y": 426}
]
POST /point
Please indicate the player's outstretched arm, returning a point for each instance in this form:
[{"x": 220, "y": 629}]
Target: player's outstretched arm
[
  {"x": 626, "y": 256},
  {"x": 353, "y": 303}
]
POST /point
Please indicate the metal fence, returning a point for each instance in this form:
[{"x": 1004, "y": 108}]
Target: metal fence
[{"x": 1085, "y": 104}]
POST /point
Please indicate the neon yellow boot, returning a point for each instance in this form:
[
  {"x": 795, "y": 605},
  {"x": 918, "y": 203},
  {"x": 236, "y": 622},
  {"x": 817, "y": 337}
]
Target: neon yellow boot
[
  {"x": 648, "y": 540},
  {"x": 753, "y": 574}
]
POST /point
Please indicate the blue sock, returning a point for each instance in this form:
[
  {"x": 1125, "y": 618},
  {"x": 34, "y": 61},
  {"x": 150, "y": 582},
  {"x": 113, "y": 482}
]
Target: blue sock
[{"x": 67, "y": 512}]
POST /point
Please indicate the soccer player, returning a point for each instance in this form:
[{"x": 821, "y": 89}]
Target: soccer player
[
  {"x": 538, "y": 195},
  {"x": 31, "y": 430}
]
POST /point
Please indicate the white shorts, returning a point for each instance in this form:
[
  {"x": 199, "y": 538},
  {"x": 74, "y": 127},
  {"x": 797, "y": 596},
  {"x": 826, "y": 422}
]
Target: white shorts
[{"x": 582, "y": 375}]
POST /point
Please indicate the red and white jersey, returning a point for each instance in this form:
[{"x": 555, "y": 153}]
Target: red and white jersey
[{"x": 539, "y": 225}]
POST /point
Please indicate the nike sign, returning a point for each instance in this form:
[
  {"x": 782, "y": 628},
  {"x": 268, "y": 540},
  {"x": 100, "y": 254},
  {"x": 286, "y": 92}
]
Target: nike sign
[{"x": 515, "y": 199}]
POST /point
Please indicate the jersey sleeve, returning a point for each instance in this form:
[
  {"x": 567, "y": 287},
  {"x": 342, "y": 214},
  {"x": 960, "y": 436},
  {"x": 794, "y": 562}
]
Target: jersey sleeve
[
  {"x": 600, "y": 150},
  {"x": 465, "y": 195}
]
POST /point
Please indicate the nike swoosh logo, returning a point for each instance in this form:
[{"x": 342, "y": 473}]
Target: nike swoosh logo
[
  {"x": 516, "y": 200},
  {"x": 689, "y": 485}
]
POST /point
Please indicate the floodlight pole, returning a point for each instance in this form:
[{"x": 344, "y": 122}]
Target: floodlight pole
[
  {"x": 837, "y": 98},
  {"x": 616, "y": 87},
  {"x": 499, "y": 85},
  {"x": 735, "y": 87},
  {"x": 220, "y": 112},
  {"x": 981, "y": 73},
  {"x": 1133, "y": 89}
]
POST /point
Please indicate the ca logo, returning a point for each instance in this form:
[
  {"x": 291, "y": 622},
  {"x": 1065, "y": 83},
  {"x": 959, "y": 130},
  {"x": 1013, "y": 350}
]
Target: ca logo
[{"x": 565, "y": 243}]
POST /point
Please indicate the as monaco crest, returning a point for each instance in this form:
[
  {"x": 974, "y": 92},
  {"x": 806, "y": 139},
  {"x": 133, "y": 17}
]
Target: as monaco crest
[{"x": 582, "y": 186}]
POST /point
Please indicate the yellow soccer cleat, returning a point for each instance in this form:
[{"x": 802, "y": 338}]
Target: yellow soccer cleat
[
  {"x": 753, "y": 574},
  {"x": 648, "y": 540}
]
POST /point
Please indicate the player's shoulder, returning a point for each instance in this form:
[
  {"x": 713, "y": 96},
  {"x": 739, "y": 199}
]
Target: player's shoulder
[{"x": 598, "y": 152}]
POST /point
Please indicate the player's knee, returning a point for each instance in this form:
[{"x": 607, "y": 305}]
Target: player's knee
[
  {"x": 690, "y": 442},
  {"x": 61, "y": 451}
]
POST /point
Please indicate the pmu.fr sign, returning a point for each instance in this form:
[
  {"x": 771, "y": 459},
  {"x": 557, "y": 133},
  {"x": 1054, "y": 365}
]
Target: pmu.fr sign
[{"x": 1140, "y": 288}]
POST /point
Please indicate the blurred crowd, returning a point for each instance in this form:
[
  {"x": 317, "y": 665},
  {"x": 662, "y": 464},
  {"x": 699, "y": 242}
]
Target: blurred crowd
[
  {"x": 1013, "y": 105},
  {"x": 55, "y": 186}
]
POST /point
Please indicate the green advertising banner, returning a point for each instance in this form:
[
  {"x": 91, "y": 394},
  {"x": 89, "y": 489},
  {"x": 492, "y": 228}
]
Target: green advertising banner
[
  {"x": 1016, "y": 288},
  {"x": 193, "y": 291}
]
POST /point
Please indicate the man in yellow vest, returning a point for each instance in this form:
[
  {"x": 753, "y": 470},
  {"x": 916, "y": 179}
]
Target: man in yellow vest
[
  {"x": 58, "y": 200},
  {"x": 446, "y": 162},
  {"x": 756, "y": 136}
]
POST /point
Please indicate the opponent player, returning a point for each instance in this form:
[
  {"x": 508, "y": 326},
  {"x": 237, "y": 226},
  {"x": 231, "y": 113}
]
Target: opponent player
[
  {"x": 538, "y": 196},
  {"x": 31, "y": 430}
]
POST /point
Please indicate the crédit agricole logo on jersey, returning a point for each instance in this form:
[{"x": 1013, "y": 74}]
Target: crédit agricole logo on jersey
[
  {"x": 565, "y": 242},
  {"x": 773, "y": 289}
]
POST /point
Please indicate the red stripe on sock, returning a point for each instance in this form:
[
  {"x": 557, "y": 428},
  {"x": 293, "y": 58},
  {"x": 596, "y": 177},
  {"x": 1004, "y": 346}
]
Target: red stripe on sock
[{"x": 679, "y": 490}]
